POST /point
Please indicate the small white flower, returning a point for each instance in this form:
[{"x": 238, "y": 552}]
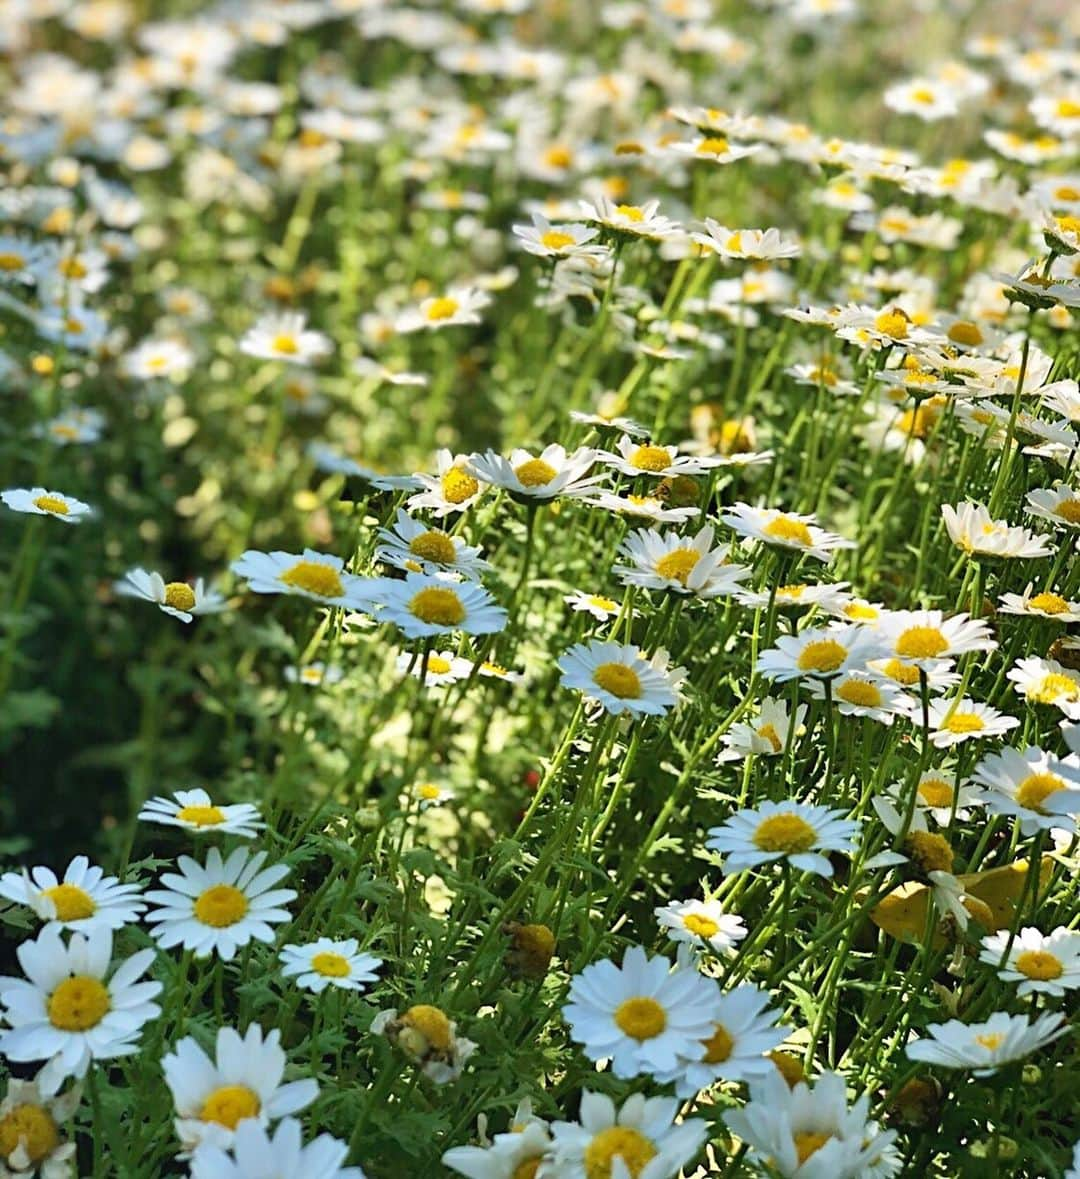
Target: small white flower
[
  {"x": 620, "y": 678},
  {"x": 597, "y": 605},
  {"x": 551, "y": 473},
  {"x": 651, "y": 460},
  {"x": 557, "y": 241},
  {"x": 320, "y": 577},
  {"x": 285, "y": 336},
  {"x": 1045, "y": 681},
  {"x": 985, "y": 1047},
  {"x": 1039, "y": 962},
  {"x": 453, "y": 488},
  {"x": 823, "y": 653},
  {"x": 766, "y": 735},
  {"x": 84, "y": 900},
  {"x": 314, "y": 675},
  {"x": 176, "y": 598},
  {"x": 758, "y": 244},
  {"x": 328, "y": 963},
  {"x": 422, "y": 607},
  {"x": 684, "y": 565},
  {"x": 792, "y": 831},
  {"x": 1040, "y": 790},
  {"x": 459, "y": 305},
  {"x": 785, "y": 530},
  {"x": 195, "y": 811},
  {"x": 953, "y": 721},
  {"x": 696, "y": 922},
  {"x": 39, "y": 502},
  {"x": 413, "y": 546},
  {"x": 972, "y": 529}
]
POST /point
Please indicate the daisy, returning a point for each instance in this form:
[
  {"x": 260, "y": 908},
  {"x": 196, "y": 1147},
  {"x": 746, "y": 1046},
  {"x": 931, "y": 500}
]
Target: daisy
[
  {"x": 715, "y": 149},
  {"x": 285, "y": 336},
  {"x": 495, "y": 671},
  {"x": 953, "y": 721},
  {"x": 939, "y": 796},
  {"x": 792, "y": 831},
  {"x": 158, "y": 359},
  {"x": 985, "y": 1047},
  {"x": 195, "y": 811},
  {"x": 640, "y": 1139},
  {"x": 938, "y": 673},
  {"x": 862, "y": 693},
  {"x": 429, "y": 1038},
  {"x": 328, "y": 963},
  {"x": 824, "y": 653},
  {"x": 177, "y": 598},
  {"x": 412, "y": 546},
  {"x": 620, "y": 678},
  {"x": 759, "y": 244},
  {"x": 422, "y": 607},
  {"x": 1039, "y": 962},
  {"x": 923, "y": 636},
  {"x": 786, "y": 530},
  {"x": 630, "y": 221},
  {"x": 370, "y": 369},
  {"x": 30, "y": 1141},
  {"x": 685, "y": 565},
  {"x": 927, "y": 98},
  {"x": 1045, "y": 681},
  {"x": 319, "y": 577},
  {"x": 258, "y": 1154},
  {"x": 1060, "y": 505},
  {"x": 459, "y": 305},
  {"x": 797, "y": 595},
  {"x": 597, "y": 605},
  {"x": 644, "y": 1015},
  {"x": 557, "y": 241},
  {"x": 452, "y": 489},
  {"x": 1033, "y": 786},
  {"x": 314, "y": 675},
  {"x": 429, "y": 794},
  {"x": 648, "y": 507},
  {"x": 766, "y": 735},
  {"x": 695, "y": 922},
  {"x": 68, "y": 1011},
  {"x": 75, "y": 427},
  {"x": 219, "y": 906},
  {"x": 40, "y": 502},
  {"x": 552, "y": 473},
  {"x": 972, "y": 529},
  {"x": 86, "y": 899},
  {"x": 20, "y": 259},
  {"x": 1044, "y": 604},
  {"x": 440, "y": 667},
  {"x": 649, "y": 459},
  {"x": 527, "y": 1144},
  {"x": 242, "y": 1081}
]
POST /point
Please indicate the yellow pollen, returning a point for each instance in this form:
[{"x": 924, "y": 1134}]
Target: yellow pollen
[
  {"x": 330, "y": 965},
  {"x": 220, "y": 906},
  {"x": 1035, "y": 789},
  {"x": 650, "y": 458},
  {"x": 555, "y": 239},
  {"x": 1068, "y": 224},
  {"x": 229, "y": 1105},
  {"x": 433, "y": 546},
  {"x": 630, "y": 1146},
  {"x": 618, "y": 680},
  {"x": 714, "y": 145},
  {"x": 1049, "y": 603},
  {"x": 794, "y": 592},
  {"x": 785, "y": 833},
  {"x": 1069, "y": 510},
  {"x": 700, "y": 926},
  {"x": 902, "y": 673},
  {"x": 314, "y": 578},
  {"x": 718, "y": 1046},
  {"x": 963, "y": 332},
  {"x": 809, "y": 1142},
  {"x": 678, "y": 564},
  {"x": 458, "y": 486},
  {"x": 442, "y": 308},
  {"x": 71, "y": 902},
  {"x": 1067, "y": 108},
  {"x": 428, "y": 791},
  {"x": 1040, "y": 965},
  {"x": 431, "y": 1023},
  {"x": 931, "y": 852},
  {"x": 936, "y": 792},
  {"x": 11, "y": 262},
  {"x": 285, "y": 344},
  {"x": 923, "y": 96},
  {"x": 892, "y": 323},
  {"x": 437, "y": 607},
  {"x": 790, "y": 530},
  {"x": 640, "y": 1017},
  {"x": 1066, "y": 192},
  {"x": 858, "y": 692},
  {"x": 437, "y": 665},
  {"x": 559, "y": 156},
  {"x": 201, "y": 816},
  {"x": 964, "y": 722},
  {"x": 991, "y": 1041},
  {"x": 179, "y": 595},
  {"x": 602, "y": 603},
  {"x": 860, "y": 611},
  {"x": 823, "y": 656},
  {"x": 53, "y": 504},
  {"x": 921, "y": 642},
  {"x": 630, "y": 212},
  {"x": 535, "y": 473},
  {"x": 771, "y": 735},
  {"x": 1054, "y": 687},
  {"x": 32, "y": 1127},
  {"x": 78, "y": 1004}
]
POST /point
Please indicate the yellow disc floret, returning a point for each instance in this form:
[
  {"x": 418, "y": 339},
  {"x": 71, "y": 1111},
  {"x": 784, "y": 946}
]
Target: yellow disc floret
[
  {"x": 535, "y": 473},
  {"x": 789, "y": 530},
  {"x": 700, "y": 925},
  {"x": 650, "y": 458},
  {"x": 640, "y": 1017},
  {"x": 32, "y": 1127},
  {"x": 53, "y": 504},
  {"x": 78, "y": 1004},
  {"x": 437, "y": 607},
  {"x": 433, "y": 546},
  {"x": 1035, "y": 789},
  {"x": 618, "y": 680},
  {"x": 785, "y": 833},
  {"x": 718, "y": 1046},
  {"x": 678, "y": 564},
  {"x": 313, "y": 577},
  {"x": 822, "y": 656},
  {"x": 630, "y": 1146},
  {"x": 921, "y": 642},
  {"x": 220, "y": 906},
  {"x": 179, "y": 595},
  {"x": 331, "y": 965},
  {"x": 1040, "y": 965},
  {"x": 71, "y": 902},
  {"x": 431, "y": 1023},
  {"x": 229, "y": 1105},
  {"x": 201, "y": 816}
]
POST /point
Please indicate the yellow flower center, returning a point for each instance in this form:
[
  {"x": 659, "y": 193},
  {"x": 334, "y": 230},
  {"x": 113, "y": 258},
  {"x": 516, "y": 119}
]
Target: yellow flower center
[
  {"x": 32, "y": 1127},
  {"x": 179, "y": 595},
  {"x": 678, "y": 564},
  {"x": 809, "y": 1142},
  {"x": 1040, "y": 965},
  {"x": 602, "y": 603},
  {"x": 700, "y": 925},
  {"x": 963, "y": 332},
  {"x": 428, "y": 791},
  {"x": 527, "y": 1169},
  {"x": 53, "y": 504},
  {"x": 718, "y": 1046},
  {"x": 437, "y": 607},
  {"x": 991, "y": 1041},
  {"x": 78, "y": 1004},
  {"x": 788, "y": 529},
  {"x": 859, "y": 692},
  {"x": 630, "y": 212},
  {"x": 201, "y": 816},
  {"x": 931, "y": 852},
  {"x": 314, "y": 578},
  {"x": 1053, "y": 687},
  {"x": 220, "y": 906},
  {"x": 1034, "y": 790},
  {"x": 714, "y": 145},
  {"x": 556, "y": 239},
  {"x": 921, "y": 642},
  {"x": 964, "y": 722},
  {"x": 535, "y": 473},
  {"x": 892, "y": 323},
  {"x": 442, "y": 308},
  {"x": 791, "y": 592},
  {"x": 822, "y": 655},
  {"x": 558, "y": 155},
  {"x": 860, "y": 612},
  {"x": 431, "y": 1023},
  {"x": 229, "y": 1105},
  {"x": 11, "y": 262},
  {"x": 437, "y": 665},
  {"x": 650, "y": 458},
  {"x": 923, "y": 96},
  {"x": 936, "y": 792},
  {"x": 1066, "y": 192},
  {"x": 285, "y": 344},
  {"x": 458, "y": 486},
  {"x": 330, "y": 965},
  {"x": 1069, "y": 510},
  {"x": 1068, "y": 108},
  {"x": 1049, "y": 603},
  {"x": 640, "y": 1017},
  {"x": 433, "y": 546},
  {"x": 1068, "y": 224},
  {"x": 785, "y": 833},
  {"x": 71, "y": 902},
  {"x": 618, "y": 680},
  {"x": 771, "y": 735},
  {"x": 63, "y": 430},
  {"x": 618, "y": 1142},
  {"x": 902, "y": 673}
]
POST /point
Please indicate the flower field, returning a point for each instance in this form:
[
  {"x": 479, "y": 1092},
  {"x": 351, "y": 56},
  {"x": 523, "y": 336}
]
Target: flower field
[{"x": 538, "y": 599}]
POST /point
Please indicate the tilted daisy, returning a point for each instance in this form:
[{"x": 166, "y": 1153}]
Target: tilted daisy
[
  {"x": 453, "y": 488},
  {"x": 785, "y": 530},
  {"x": 620, "y": 678},
  {"x": 558, "y": 241},
  {"x": 597, "y": 605},
  {"x": 422, "y": 606},
  {"x": 1060, "y": 505},
  {"x": 939, "y": 796},
  {"x": 30, "y": 1138},
  {"x": 86, "y": 899},
  {"x": 630, "y": 221},
  {"x": 794, "y": 831},
  {"x": 645, "y": 507},
  {"x": 195, "y": 811},
  {"x": 551, "y": 473},
  {"x": 759, "y": 244},
  {"x": 1040, "y": 604},
  {"x": 258, "y": 1154},
  {"x": 39, "y": 502},
  {"x": 986, "y": 1047},
  {"x": 685, "y": 565},
  {"x": 285, "y": 336},
  {"x": 972, "y": 529},
  {"x": 242, "y": 1081},
  {"x": 413, "y": 546},
  {"x": 436, "y": 668},
  {"x": 328, "y": 963},
  {"x": 822, "y": 653},
  {"x": 643, "y": 1014},
  {"x": 953, "y": 721},
  {"x": 635, "y": 458},
  {"x": 938, "y": 673},
  {"x": 1033, "y": 786},
  {"x": 1046, "y": 963},
  {"x": 766, "y": 735},
  {"x": 640, "y": 1139},
  {"x": 314, "y": 675},
  {"x": 922, "y": 636},
  {"x": 458, "y": 305},
  {"x": 177, "y": 598},
  {"x": 319, "y": 577},
  {"x": 862, "y": 693},
  {"x": 68, "y": 1011},
  {"x": 1045, "y": 681},
  {"x": 526, "y": 1145},
  {"x": 221, "y": 906},
  {"x": 799, "y": 596},
  {"x": 698, "y": 923}
]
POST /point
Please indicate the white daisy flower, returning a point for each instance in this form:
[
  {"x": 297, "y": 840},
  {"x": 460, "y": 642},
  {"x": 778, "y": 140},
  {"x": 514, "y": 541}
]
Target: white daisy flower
[
  {"x": 496, "y": 671},
  {"x": 84, "y": 900},
  {"x": 695, "y": 922},
  {"x": 939, "y": 674},
  {"x": 922, "y": 636},
  {"x": 766, "y": 735},
  {"x": 321, "y": 577},
  {"x": 953, "y": 721},
  {"x": 177, "y": 598},
  {"x": 428, "y": 1038},
  {"x": 551, "y": 473},
  {"x": 39, "y": 502},
  {"x": 939, "y": 796},
  {"x": 158, "y": 359},
  {"x": 798, "y": 595},
  {"x": 759, "y": 244},
  {"x": 195, "y": 811},
  {"x": 636, "y": 458},
  {"x": 1045, "y": 681},
  {"x": 258, "y": 1154},
  {"x": 644, "y": 1015},
  {"x": 1044, "y": 604},
  {"x": 73, "y": 427},
  {"x": 620, "y": 678},
  {"x": 370, "y": 369},
  {"x": 242, "y": 1081},
  {"x": 68, "y": 1011},
  {"x": 527, "y": 1144},
  {"x": 1046, "y": 963},
  {"x": 429, "y": 794},
  {"x": 459, "y": 305},
  {"x": 1060, "y": 505},
  {"x": 314, "y": 675},
  {"x": 647, "y": 507},
  {"x": 1039, "y": 789},
  {"x": 423, "y": 606},
  {"x": 715, "y": 149},
  {"x": 971, "y": 528},
  {"x": 558, "y": 241},
  {"x": 219, "y": 906},
  {"x": 439, "y": 668},
  {"x": 985, "y": 1047},
  {"x": 630, "y": 221},
  {"x": 786, "y": 530},
  {"x": 822, "y": 653},
  {"x": 328, "y": 963},
  {"x": 685, "y": 565},
  {"x": 413, "y": 546},
  {"x": 30, "y": 1139},
  {"x": 927, "y": 98},
  {"x": 285, "y": 336},
  {"x": 862, "y": 693},
  {"x": 597, "y": 605},
  {"x": 453, "y": 488},
  {"x": 792, "y": 831},
  {"x": 21, "y": 259}
]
